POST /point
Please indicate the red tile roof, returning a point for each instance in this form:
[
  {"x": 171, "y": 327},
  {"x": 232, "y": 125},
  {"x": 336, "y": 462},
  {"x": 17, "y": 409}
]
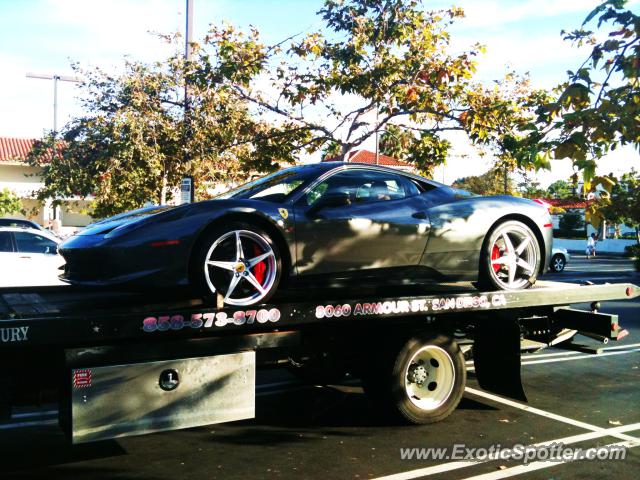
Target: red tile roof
[
  {"x": 15, "y": 149},
  {"x": 566, "y": 202},
  {"x": 365, "y": 156}
]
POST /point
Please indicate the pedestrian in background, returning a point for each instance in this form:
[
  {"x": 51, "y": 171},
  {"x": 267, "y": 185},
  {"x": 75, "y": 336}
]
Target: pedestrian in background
[{"x": 591, "y": 245}]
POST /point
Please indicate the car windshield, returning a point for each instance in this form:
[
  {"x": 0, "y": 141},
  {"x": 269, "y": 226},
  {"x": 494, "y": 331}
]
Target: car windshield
[{"x": 276, "y": 187}]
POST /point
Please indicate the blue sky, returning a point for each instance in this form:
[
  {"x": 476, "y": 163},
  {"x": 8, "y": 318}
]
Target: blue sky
[{"x": 44, "y": 36}]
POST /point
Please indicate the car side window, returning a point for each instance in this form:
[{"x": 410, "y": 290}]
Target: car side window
[
  {"x": 363, "y": 186},
  {"x": 32, "y": 243},
  {"x": 6, "y": 245}
]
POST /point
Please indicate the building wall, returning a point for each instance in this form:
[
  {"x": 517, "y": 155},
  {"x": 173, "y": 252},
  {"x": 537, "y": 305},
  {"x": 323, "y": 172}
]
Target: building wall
[
  {"x": 609, "y": 245},
  {"x": 24, "y": 181}
]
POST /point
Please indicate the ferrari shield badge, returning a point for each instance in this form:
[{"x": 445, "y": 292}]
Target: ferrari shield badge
[{"x": 283, "y": 212}]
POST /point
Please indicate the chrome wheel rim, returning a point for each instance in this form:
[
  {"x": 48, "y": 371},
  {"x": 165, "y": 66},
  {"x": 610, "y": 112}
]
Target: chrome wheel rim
[
  {"x": 514, "y": 258},
  {"x": 241, "y": 265},
  {"x": 558, "y": 264},
  {"x": 429, "y": 377}
]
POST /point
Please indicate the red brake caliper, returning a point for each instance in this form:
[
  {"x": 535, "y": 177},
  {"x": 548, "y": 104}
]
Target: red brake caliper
[
  {"x": 260, "y": 268},
  {"x": 495, "y": 254}
]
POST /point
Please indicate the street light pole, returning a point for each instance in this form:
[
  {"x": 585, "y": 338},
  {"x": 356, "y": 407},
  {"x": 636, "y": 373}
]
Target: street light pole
[
  {"x": 56, "y": 79},
  {"x": 377, "y": 134}
]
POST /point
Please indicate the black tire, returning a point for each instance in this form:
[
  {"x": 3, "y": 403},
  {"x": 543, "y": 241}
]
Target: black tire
[
  {"x": 558, "y": 262},
  {"x": 386, "y": 383},
  {"x": 488, "y": 277},
  {"x": 220, "y": 278}
]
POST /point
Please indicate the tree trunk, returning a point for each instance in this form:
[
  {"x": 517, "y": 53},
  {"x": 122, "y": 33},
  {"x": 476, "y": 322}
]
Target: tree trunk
[
  {"x": 344, "y": 154},
  {"x": 163, "y": 191}
]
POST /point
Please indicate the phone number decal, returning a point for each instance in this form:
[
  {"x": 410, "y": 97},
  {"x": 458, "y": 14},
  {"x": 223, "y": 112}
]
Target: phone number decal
[
  {"x": 414, "y": 306},
  {"x": 163, "y": 323}
]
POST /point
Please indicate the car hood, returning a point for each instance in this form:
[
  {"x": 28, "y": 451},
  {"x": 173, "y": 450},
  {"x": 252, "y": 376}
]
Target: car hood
[{"x": 109, "y": 224}]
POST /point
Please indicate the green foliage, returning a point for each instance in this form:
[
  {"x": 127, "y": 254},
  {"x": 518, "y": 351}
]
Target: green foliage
[
  {"x": 253, "y": 106},
  {"x": 423, "y": 149},
  {"x": 624, "y": 203},
  {"x": 9, "y": 202},
  {"x": 137, "y": 139},
  {"x": 529, "y": 187},
  {"x": 489, "y": 183},
  {"x": 560, "y": 189},
  {"x": 393, "y": 61},
  {"x": 571, "y": 221},
  {"x": 598, "y": 108},
  {"x": 632, "y": 251}
]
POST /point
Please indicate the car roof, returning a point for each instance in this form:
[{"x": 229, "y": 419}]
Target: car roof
[
  {"x": 357, "y": 165},
  {"x": 35, "y": 231},
  {"x": 17, "y": 220}
]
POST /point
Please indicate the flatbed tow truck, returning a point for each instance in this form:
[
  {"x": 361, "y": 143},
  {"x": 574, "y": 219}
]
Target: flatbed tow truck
[{"x": 124, "y": 363}]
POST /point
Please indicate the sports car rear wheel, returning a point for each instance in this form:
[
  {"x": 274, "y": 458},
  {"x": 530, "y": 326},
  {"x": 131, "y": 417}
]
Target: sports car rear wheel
[
  {"x": 240, "y": 262},
  {"x": 511, "y": 257}
]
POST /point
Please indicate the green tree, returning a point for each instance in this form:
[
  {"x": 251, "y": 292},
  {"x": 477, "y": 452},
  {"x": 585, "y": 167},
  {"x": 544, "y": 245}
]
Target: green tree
[
  {"x": 529, "y": 187},
  {"x": 624, "y": 203},
  {"x": 489, "y": 183},
  {"x": 597, "y": 108},
  {"x": 382, "y": 65},
  {"x": 571, "y": 222},
  {"x": 137, "y": 139},
  {"x": 9, "y": 202},
  {"x": 560, "y": 189}
]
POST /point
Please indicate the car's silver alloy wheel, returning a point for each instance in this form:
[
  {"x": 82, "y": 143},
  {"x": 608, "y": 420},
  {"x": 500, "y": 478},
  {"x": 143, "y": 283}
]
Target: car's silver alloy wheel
[
  {"x": 243, "y": 287},
  {"x": 429, "y": 378},
  {"x": 514, "y": 257},
  {"x": 558, "y": 264}
]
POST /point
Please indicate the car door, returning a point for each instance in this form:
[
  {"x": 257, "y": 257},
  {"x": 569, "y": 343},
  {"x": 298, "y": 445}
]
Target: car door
[
  {"x": 359, "y": 219},
  {"x": 9, "y": 271},
  {"x": 38, "y": 255}
]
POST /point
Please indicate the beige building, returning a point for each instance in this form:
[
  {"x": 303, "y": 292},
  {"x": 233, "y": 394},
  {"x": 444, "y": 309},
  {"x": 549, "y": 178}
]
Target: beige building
[{"x": 24, "y": 180}]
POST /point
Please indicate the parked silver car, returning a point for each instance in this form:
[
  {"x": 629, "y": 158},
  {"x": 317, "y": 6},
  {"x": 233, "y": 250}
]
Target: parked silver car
[{"x": 559, "y": 259}]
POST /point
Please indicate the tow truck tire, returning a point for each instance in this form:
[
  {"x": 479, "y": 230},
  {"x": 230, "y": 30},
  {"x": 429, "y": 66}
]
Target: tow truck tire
[{"x": 423, "y": 380}]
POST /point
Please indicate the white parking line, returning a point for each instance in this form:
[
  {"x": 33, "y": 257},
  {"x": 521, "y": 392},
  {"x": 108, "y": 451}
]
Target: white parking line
[
  {"x": 527, "y": 358},
  {"x": 447, "y": 467},
  {"x": 35, "y": 423},
  {"x": 619, "y": 347},
  {"x": 532, "y": 467},
  {"x": 543, "y": 413},
  {"x": 581, "y": 357},
  {"x": 48, "y": 413}
]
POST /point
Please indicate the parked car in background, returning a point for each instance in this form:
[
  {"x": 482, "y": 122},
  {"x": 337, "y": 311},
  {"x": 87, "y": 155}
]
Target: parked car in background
[
  {"x": 559, "y": 259},
  {"x": 19, "y": 222},
  {"x": 29, "y": 257}
]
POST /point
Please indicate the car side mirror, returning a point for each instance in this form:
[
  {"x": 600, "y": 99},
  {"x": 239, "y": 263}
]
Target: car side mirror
[{"x": 332, "y": 200}]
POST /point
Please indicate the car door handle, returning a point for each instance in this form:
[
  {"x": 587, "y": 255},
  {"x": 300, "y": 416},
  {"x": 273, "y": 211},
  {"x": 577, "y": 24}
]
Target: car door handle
[
  {"x": 420, "y": 215},
  {"x": 25, "y": 256}
]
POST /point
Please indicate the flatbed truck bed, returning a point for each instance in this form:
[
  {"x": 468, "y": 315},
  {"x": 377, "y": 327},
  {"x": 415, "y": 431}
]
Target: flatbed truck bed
[{"x": 92, "y": 347}]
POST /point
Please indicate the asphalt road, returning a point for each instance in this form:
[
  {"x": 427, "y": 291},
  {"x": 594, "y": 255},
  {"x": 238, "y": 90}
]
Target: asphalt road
[{"x": 577, "y": 399}]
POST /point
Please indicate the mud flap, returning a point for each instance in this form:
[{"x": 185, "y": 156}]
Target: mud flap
[{"x": 496, "y": 356}]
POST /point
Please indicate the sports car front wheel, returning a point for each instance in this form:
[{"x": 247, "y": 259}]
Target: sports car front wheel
[
  {"x": 240, "y": 262},
  {"x": 511, "y": 257}
]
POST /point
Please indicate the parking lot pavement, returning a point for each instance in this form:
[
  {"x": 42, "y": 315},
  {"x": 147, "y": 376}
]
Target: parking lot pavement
[
  {"x": 599, "y": 269},
  {"x": 580, "y": 400}
]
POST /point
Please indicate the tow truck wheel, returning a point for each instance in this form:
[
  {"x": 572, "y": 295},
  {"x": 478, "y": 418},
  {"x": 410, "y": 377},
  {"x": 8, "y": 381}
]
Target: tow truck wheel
[{"x": 426, "y": 379}]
